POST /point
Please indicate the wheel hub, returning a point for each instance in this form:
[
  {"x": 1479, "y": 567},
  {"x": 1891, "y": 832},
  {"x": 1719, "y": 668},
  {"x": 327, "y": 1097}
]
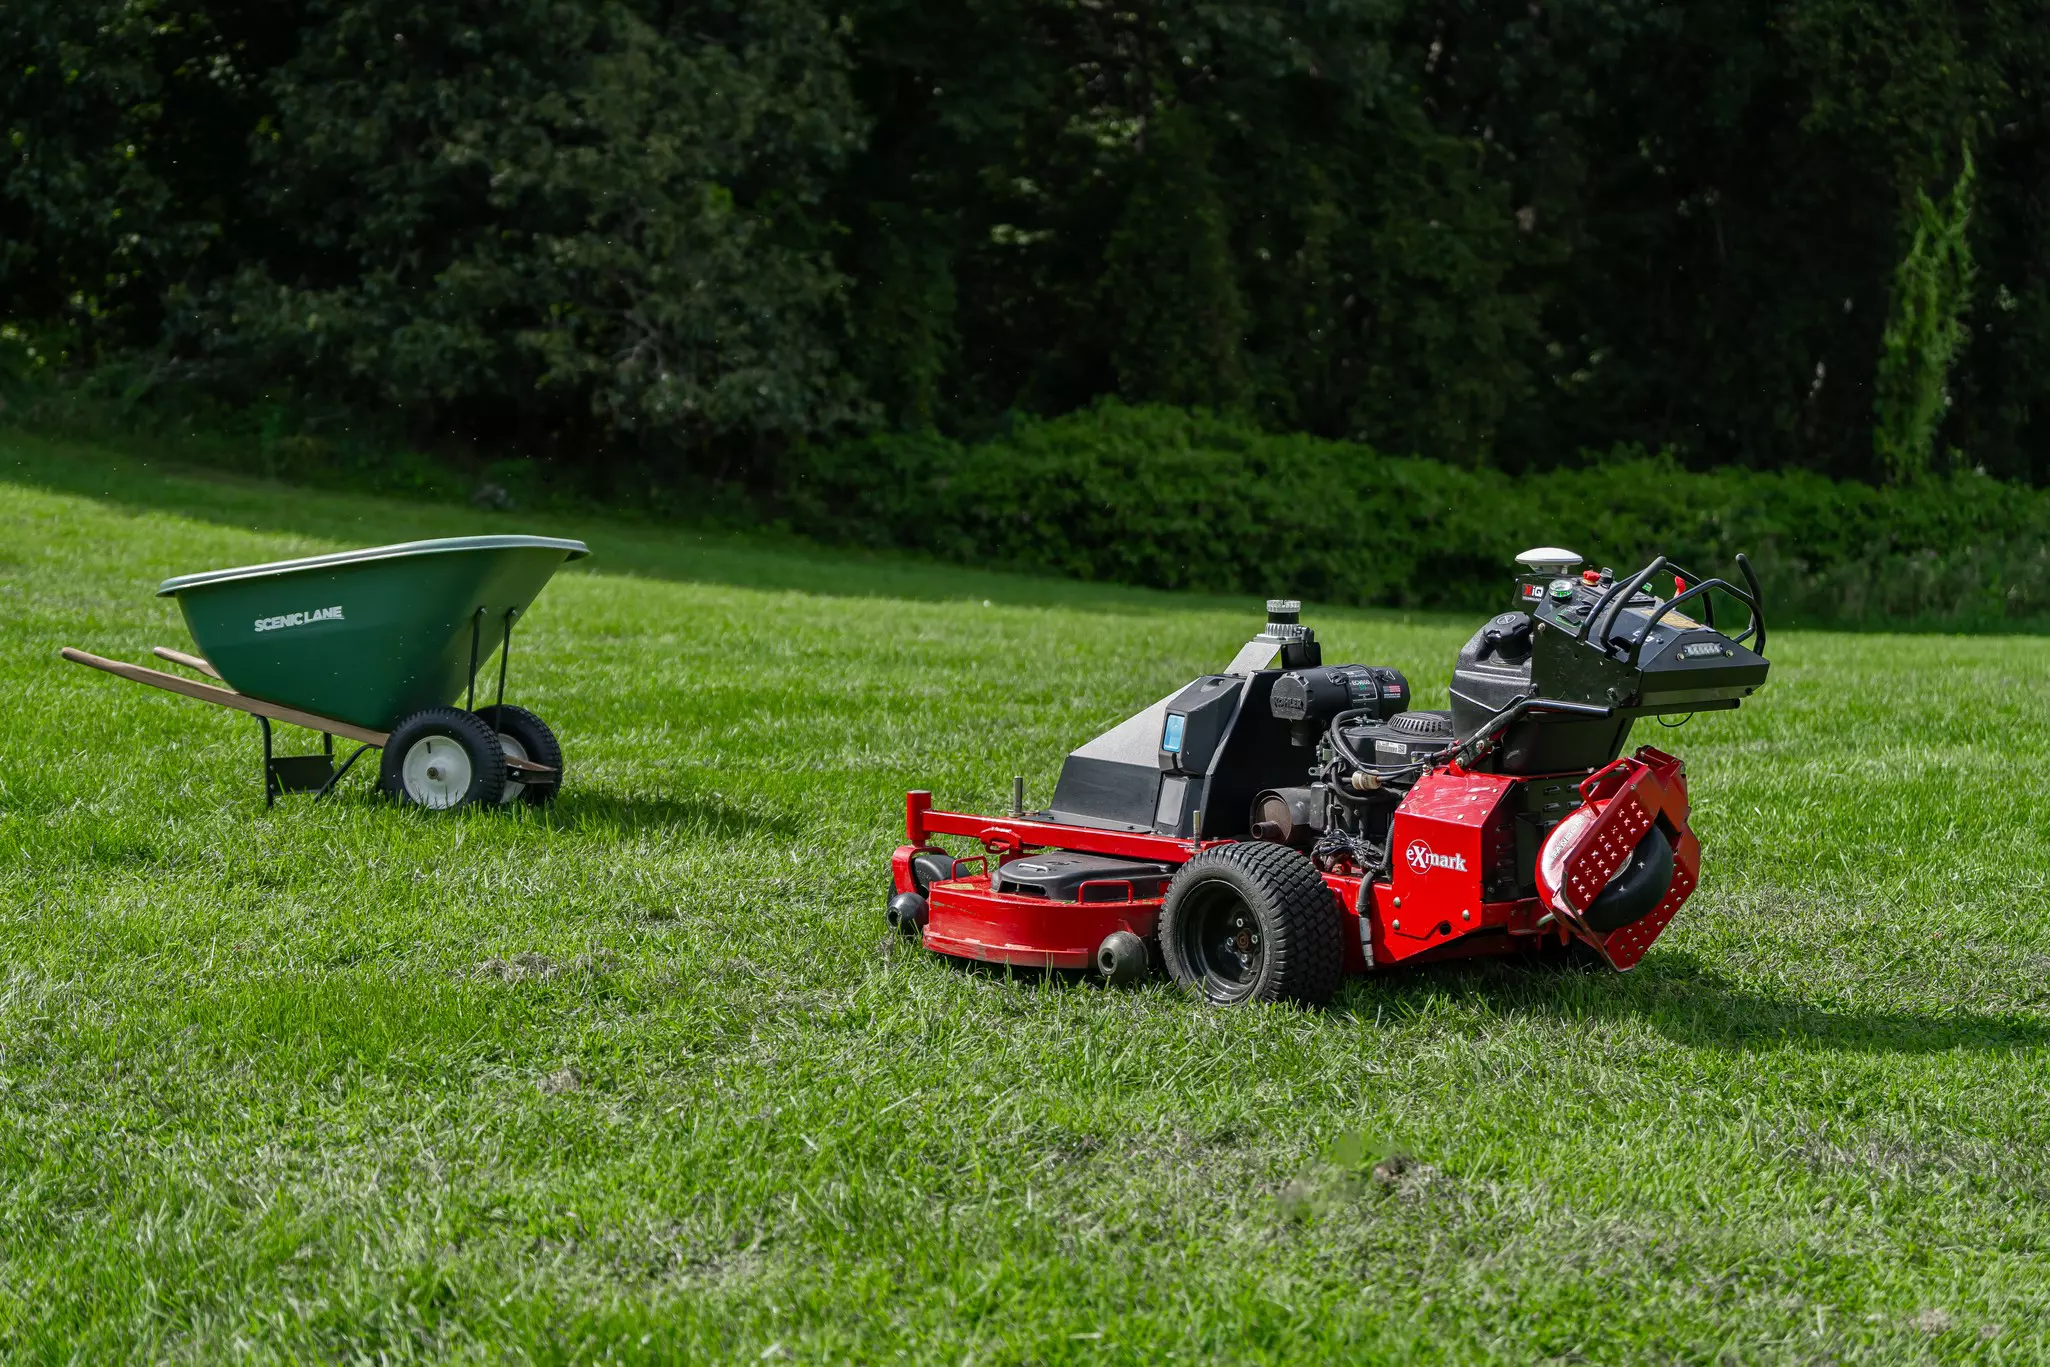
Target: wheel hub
[
  {"x": 1224, "y": 936},
  {"x": 437, "y": 772}
]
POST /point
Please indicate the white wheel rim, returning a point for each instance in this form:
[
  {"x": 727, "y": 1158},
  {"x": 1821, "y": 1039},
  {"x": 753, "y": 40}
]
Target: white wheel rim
[
  {"x": 513, "y": 786},
  {"x": 437, "y": 772}
]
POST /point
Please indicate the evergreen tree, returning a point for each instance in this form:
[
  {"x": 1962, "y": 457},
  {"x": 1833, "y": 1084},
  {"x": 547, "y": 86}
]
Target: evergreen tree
[
  {"x": 1170, "y": 292},
  {"x": 1932, "y": 293}
]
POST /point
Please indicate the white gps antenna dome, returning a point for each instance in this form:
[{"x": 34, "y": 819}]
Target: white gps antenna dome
[{"x": 1552, "y": 560}]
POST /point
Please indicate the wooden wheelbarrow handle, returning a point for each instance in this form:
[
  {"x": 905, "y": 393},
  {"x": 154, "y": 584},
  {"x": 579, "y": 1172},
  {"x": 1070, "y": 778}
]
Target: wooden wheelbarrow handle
[
  {"x": 228, "y": 697},
  {"x": 179, "y": 657}
]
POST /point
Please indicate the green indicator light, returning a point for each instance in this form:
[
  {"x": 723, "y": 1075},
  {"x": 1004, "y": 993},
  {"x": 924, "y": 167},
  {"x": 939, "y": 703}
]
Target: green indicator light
[{"x": 1562, "y": 589}]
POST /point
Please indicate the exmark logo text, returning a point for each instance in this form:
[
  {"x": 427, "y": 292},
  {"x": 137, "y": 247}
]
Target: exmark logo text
[
  {"x": 1422, "y": 859},
  {"x": 299, "y": 619}
]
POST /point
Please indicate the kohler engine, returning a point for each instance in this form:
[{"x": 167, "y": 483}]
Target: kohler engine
[{"x": 1551, "y": 688}]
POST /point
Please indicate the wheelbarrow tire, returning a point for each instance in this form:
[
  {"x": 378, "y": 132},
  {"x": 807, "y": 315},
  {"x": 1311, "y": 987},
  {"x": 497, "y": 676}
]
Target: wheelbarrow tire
[
  {"x": 526, "y": 736},
  {"x": 443, "y": 758}
]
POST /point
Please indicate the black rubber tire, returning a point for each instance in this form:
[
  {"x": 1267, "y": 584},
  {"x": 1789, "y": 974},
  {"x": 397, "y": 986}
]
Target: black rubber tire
[
  {"x": 1294, "y": 933},
  {"x": 929, "y": 867},
  {"x": 533, "y": 736},
  {"x": 1121, "y": 960},
  {"x": 478, "y": 742},
  {"x": 1637, "y": 888},
  {"x": 907, "y": 913}
]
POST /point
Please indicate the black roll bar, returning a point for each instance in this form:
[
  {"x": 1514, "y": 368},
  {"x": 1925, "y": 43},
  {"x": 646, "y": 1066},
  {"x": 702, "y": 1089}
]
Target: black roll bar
[{"x": 1753, "y": 632}]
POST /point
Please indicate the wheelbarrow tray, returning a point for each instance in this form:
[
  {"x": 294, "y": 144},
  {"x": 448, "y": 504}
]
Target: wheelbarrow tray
[{"x": 366, "y": 637}]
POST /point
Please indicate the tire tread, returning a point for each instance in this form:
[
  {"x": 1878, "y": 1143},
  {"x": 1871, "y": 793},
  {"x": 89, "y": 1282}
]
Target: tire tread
[
  {"x": 1305, "y": 945},
  {"x": 541, "y": 745}
]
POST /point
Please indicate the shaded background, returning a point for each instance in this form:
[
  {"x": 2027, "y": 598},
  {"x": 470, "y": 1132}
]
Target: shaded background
[{"x": 687, "y": 233}]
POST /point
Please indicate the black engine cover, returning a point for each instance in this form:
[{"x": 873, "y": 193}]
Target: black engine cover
[
  {"x": 1059, "y": 877},
  {"x": 1318, "y": 695},
  {"x": 1404, "y": 738}
]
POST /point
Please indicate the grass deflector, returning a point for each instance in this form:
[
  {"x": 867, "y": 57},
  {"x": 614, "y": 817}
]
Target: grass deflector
[
  {"x": 1267, "y": 829},
  {"x": 375, "y": 646}
]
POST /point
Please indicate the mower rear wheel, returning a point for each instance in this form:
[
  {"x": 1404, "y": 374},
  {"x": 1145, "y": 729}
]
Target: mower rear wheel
[{"x": 1253, "y": 922}]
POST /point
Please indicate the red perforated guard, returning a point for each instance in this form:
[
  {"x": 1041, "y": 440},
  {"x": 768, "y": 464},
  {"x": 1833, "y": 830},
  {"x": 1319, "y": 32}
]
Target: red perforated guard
[{"x": 1627, "y": 799}]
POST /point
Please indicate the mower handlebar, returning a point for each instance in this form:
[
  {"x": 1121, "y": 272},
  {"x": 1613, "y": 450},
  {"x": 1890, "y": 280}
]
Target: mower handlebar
[
  {"x": 1611, "y": 604},
  {"x": 1756, "y": 602},
  {"x": 1753, "y": 632}
]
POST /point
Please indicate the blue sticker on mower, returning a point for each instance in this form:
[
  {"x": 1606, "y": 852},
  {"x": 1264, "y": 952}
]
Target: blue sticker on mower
[{"x": 1171, "y": 737}]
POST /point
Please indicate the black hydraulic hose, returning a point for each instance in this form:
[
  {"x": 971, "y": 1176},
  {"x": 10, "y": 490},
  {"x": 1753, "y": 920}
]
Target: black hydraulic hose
[
  {"x": 1368, "y": 857},
  {"x": 1472, "y": 747}
]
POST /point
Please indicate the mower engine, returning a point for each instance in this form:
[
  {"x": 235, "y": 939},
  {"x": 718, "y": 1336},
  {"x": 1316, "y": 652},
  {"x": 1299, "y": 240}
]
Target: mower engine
[{"x": 1263, "y": 830}]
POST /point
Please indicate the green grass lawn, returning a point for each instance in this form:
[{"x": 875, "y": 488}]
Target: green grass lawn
[{"x": 643, "y": 1077}]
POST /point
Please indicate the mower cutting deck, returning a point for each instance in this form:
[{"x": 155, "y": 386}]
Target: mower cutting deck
[{"x": 1266, "y": 830}]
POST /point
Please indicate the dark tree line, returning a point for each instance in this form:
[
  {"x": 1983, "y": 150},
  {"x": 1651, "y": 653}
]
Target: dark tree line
[{"x": 1765, "y": 232}]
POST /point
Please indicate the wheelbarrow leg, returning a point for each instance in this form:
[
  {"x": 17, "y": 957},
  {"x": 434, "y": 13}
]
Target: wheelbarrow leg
[
  {"x": 505, "y": 654},
  {"x": 314, "y": 774},
  {"x": 476, "y": 636},
  {"x": 270, "y": 775},
  {"x": 476, "y": 645},
  {"x": 340, "y": 773}
]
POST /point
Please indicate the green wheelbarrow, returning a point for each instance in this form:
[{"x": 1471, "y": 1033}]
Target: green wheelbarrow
[{"x": 375, "y": 646}]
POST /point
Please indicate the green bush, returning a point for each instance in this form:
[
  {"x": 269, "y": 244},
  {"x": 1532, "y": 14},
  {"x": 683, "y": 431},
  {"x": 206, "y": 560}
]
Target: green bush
[{"x": 1172, "y": 499}]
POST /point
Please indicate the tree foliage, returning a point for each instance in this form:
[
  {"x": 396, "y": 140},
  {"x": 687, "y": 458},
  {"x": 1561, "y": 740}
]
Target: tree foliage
[
  {"x": 1494, "y": 231},
  {"x": 1931, "y": 295},
  {"x": 540, "y": 221},
  {"x": 1183, "y": 500},
  {"x": 1171, "y": 297}
]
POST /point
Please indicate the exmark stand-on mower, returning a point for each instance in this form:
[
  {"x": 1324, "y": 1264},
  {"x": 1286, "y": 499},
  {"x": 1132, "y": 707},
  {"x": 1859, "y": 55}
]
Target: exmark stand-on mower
[{"x": 1266, "y": 829}]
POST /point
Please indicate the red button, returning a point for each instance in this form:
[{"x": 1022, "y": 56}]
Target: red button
[{"x": 1591, "y": 576}]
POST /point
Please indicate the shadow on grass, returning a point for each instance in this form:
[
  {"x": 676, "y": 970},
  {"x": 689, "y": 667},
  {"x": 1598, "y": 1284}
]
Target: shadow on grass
[
  {"x": 1678, "y": 997},
  {"x": 576, "y": 811},
  {"x": 683, "y": 813},
  {"x": 1691, "y": 1004},
  {"x": 763, "y": 560}
]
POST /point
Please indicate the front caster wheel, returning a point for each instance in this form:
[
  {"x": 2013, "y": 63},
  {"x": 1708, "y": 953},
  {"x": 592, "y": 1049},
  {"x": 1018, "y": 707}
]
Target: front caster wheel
[
  {"x": 526, "y": 736},
  {"x": 907, "y": 914},
  {"x": 1121, "y": 959},
  {"x": 1637, "y": 888},
  {"x": 1253, "y": 922},
  {"x": 443, "y": 758}
]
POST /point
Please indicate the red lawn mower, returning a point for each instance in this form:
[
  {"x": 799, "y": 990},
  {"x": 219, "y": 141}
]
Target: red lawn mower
[{"x": 1266, "y": 830}]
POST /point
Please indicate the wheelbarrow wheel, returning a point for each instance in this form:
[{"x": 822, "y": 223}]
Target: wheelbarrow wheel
[
  {"x": 444, "y": 758},
  {"x": 525, "y": 736}
]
